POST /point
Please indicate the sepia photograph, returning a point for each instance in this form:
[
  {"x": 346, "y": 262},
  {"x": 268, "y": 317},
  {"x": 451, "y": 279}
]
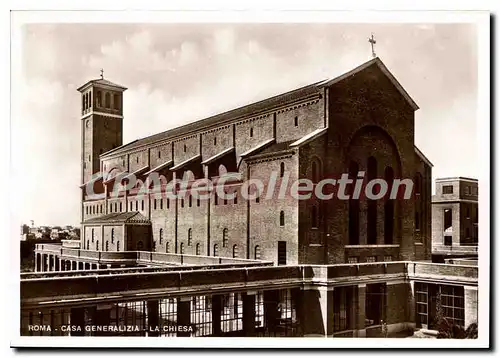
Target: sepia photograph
[{"x": 285, "y": 180}]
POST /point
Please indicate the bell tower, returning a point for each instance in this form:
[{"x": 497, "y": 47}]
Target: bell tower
[{"x": 101, "y": 122}]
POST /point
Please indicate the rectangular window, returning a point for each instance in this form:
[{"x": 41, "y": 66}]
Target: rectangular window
[
  {"x": 447, "y": 189},
  {"x": 375, "y": 304},
  {"x": 281, "y": 252},
  {"x": 447, "y": 240},
  {"x": 154, "y": 205},
  {"x": 352, "y": 260},
  {"x": 387, "y": 258},
  {"x": 341, "y": 311},
  {"x": 421, "y": 302},
  {"x": 452, "y": 302},
  {"x": 371, "y": 258}
]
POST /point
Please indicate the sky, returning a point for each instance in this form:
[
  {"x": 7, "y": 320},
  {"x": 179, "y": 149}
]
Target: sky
[{"x": 179, "y": 73}]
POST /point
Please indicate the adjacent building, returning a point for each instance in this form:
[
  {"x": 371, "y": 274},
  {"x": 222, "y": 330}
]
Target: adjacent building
[{"x": 455, "y": 218}]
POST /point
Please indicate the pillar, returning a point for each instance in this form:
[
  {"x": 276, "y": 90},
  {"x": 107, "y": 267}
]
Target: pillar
[
  {"x": 249, "y": 313},
  {"x": 360, "y": 309},
  {"x": 216, "y": 315},
  {"x": 57, "y": 266},
  {"x": 470, "y": 305},
  {"x": 36, "y": 263},
  {"x": 102, "y": 317},
  {"x": 153, "y": 328},
  {"x": 316, "y": 310},
  {"x": 183, "y": 315},
  {"x": 77, "y": 318},
  {"x": 271, "y": 300}
]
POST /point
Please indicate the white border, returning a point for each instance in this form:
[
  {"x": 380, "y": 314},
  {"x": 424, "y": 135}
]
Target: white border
[{"x": 479, "y": 18}]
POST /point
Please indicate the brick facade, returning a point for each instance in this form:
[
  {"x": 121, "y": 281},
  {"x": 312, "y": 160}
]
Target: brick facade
[{"x": 366, "y": 114}]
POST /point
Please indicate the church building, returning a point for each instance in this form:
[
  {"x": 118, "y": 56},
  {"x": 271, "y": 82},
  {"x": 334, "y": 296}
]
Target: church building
[{"x": 361, "y": 121}]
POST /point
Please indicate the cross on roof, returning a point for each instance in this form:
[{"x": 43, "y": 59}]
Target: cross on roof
[
  {"x": 102, "y": 73},
  {"x": 372, "y": 43}
]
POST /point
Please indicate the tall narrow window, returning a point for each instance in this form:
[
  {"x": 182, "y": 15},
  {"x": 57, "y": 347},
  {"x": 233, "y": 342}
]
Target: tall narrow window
[
  {"x": 215, "y": 140},
  {"x": 118, "y": 246},
  {"x": 190, "y": 201},
  {"x": 314, "y": 216},
  {"x": 97, "y": 245},
  {"x": 296, "y": 121},
  {"x": 216, "y": 250},
  {"x": 282, "y": 169},
  {"x": 371, "y": 222},
  {"x": 251, "y": 132},
  {"x": 198, "y": 250},
  {"x": 167, "y": 247},
  {"x": 92, "y": 235},
  {"x": 182, "y": 248},
  {"x": 190, "y": 236},
  {"x": 99, "y": 99},
  {"x": 235, "y": 251},
  {"x": 315, "y": 170},
  {"x": 161, "y": 204},
  {"x": 154, "y": 204},
  {"x": 281, "y": 253},
  {"x": 389, "y": 208},
  {"x": 197, "y": 201},
  {"x": 120, "y": 207},
  {"x": 142, "y": 205},
  {"x": 107, "y": 245},
  {"x": 90, "y": 99},
  {"x": 116, "y": 101},
  {"x": 112, "y": 236},
  {"x": 136, "y": 205},
  {"x": 116, "y": 207},
  {"x": 282, "y": 218},
  {"x": 225, "y": 239},
  {"x": 185, "y": 148},
  {"x": 256, "y": 254},
  {"x": 107, "y": 97},
  {"x": 161, "y": 236}
]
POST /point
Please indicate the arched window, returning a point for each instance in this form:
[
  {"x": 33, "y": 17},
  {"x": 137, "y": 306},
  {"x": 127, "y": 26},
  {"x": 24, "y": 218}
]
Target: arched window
[
  {"x": 92, "y": 235},
  {"x": 198, "y": 247},
  {"x": 90, "y": 99},
  {"x": 182, "y": 248},
  {"x": 118, "y": 246},
  {"x": 116, "y": 101},
  {"x": 112, "y": 236},
  {"x": 139, "y": 246},
  {"x": 97, "y": 245},
  {"x": 282, "y": 169},
  {"x": 107, "y": 100},
  {"x": 161, "y": 236},
  {"x": 167, "y": 247},
  {"x": 235, "y": 251},
  {"x": 315, "y": 170},
  {"x": 282, "y": 218},
  {"x": 314, "y": 216},
  {"x": 99, "y": 99},
  {"x": 353, "y": 207},
  {"x": 116, "y": 207},
  {"x": 107, "y": 245},
  {"x": 225, "y": 239},
  {"x": 257, "y": 252},
  {"x": 190, "y": 236},
  {"x": 216, "y": 250},
  {"x": 389, "y": 208},
  {"x": 371, "y": 222}
]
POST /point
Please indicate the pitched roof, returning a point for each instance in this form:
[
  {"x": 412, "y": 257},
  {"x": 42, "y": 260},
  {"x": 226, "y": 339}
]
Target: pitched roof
[
  {"x": 297, "y": 94},
  {"x": 309, "y": 91},
  {"x": 101, "y": 81},
  {"x": 124, "y": 218},
  {"x": 423, "y": 157},
  {"x": 309, "y": 137}
]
